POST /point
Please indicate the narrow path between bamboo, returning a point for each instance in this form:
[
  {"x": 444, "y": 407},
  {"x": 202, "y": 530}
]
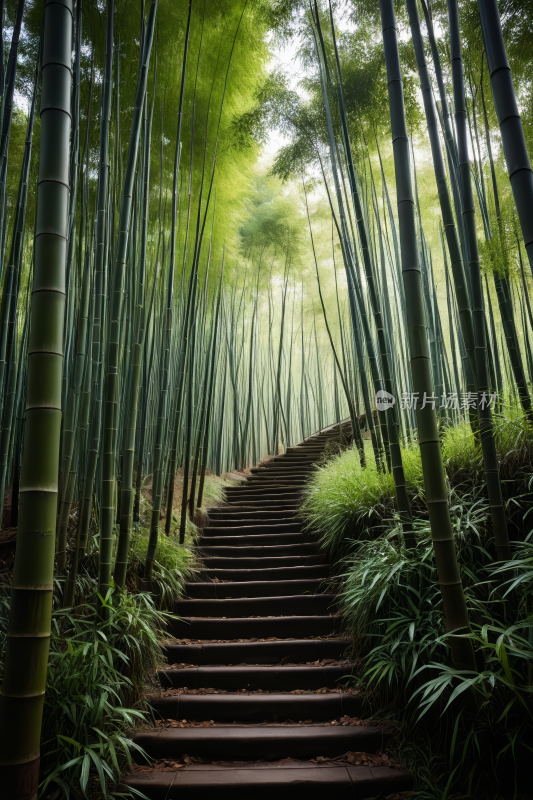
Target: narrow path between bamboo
[{"x": 254, "y": 696}]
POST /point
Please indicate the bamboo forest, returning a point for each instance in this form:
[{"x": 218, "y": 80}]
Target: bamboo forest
[{"x": 266, "y": 380}]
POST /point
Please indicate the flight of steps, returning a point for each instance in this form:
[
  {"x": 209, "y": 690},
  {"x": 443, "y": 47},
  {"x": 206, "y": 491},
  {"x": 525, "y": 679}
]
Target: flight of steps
[{"x": 260, "y": 620}]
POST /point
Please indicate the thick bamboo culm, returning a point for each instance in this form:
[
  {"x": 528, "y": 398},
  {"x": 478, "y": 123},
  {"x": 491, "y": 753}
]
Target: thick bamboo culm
[
  {"x": 428, "y": 437},
  {"x": 22, "y": 693}
]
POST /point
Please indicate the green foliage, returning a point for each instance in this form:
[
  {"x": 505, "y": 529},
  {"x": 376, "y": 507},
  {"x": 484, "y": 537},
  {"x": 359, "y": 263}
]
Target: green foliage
[
  {"x": 520, "y": 570},
  {"x": 272, "y": 228},
  {"x": 514, "y": 442},
  {"x": 95, "y": 691},
  {"x": 174, "y": 566},
  {"x": 492, "y": 707},
  {"x": 390, "y": 598},
  {"x": 342, "y": 500},
  {"x": 461, "y": 730}
]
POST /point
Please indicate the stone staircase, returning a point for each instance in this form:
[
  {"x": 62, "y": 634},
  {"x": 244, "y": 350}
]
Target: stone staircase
[{"x": 253, "y": 699}]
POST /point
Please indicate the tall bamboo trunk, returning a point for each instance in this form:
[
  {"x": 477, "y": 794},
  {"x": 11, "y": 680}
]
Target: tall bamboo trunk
[
  {"x": 26, "y": 658},
  {"x": 110, "y": 408},
  {"x": 511, "y": 130},
  {"x": 86, "y": 500},
  {"x": 428, "y": 435},
  {"x": 8, "y": 92},
  {"x": 490, "y": 457}
]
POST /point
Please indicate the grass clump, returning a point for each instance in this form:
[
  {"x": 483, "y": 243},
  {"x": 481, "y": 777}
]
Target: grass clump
[
  {"x": 391, "y": 605},
  {"x": 342, "y": 500},
  {"x": 174, "y": 566},
  {"x": 390, "y": 600},
  {"x": 513, "y": 435},
  {"x": 95, "y": 691},
  {"x": 462, "y": 733},
  {"x": 102, "y": 663}
]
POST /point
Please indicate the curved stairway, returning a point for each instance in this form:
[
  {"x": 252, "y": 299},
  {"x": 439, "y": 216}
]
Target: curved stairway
[{"x": 252, "y": 701}]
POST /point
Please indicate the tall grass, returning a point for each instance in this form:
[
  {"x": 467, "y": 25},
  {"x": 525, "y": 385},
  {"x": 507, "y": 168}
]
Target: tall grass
[
  {"x": 344, "y": 502},
  {"x": 96, "y": 681},
  {"x": 474, "y": 726}
]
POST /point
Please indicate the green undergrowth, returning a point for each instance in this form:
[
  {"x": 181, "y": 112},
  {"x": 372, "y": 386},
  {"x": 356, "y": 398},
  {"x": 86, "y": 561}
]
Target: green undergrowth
[
  {"x": 463, "y": 734},
  {"x": 344, "y": 502},
  {"x": 102, "y": 665},
  {"x": 95, "y": 692}
]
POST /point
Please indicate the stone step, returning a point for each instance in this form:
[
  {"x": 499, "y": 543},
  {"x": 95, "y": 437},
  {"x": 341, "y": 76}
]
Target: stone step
[
  {"x": 258, "y": 707},
  {"x": 214, "y": 589},
  {"x": 244, "y": 527},
  {"x": 250, "y": 678},
  {"x": 296, "y": 605},
  {"x": 305, "y": 471},
  {"x": 295, "y": 460},
  {"x": 219, "y": 516},
  {"x": 262, "y": 551},
  {"x": 250, "y": 742},
  {"x": 270, "y": 483},
  {"x": 273, "y": 574},
  {"x": 253, "y": 627},
  {"x": 295, "y": 650},
  {"x": 300, "y": 780},
  {"x": 271, "y": 478},
  {"x": 263, "y": 562},
  {"x": 233, "y": 539},
  {"x": 292, "y": 502},
  {"x": 260, "y": 493}
]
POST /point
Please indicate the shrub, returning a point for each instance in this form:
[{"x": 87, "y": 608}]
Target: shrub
[{"x": 95, "y": 691}]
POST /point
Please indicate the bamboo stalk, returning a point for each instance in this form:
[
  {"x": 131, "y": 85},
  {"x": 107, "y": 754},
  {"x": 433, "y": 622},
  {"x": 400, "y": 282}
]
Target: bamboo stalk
[
  {"x": 511, "y": 130},
  {"x": 116, "y": 308},
  {"x": 23, "y": 687},
  {"x": 434, "y": 478}
]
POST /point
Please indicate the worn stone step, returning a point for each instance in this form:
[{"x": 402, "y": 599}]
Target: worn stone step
[
  {"x": 257, "y": 538},
  {"x": 264, "y": 562},
  {"x": 276, "y": 478},
  {"x": 258, "y": 707},
  {"x": 268, "y": 493},
  {"x": 302, "y": 780},
  {"x": 250, "y": 742},
  {"x": 219, "y": 516},
  {"x": 294, "y": 460},
  {"x": 214, "y": 589},
  {"x": 262, "y": 551},
  {"x": 315, "y": 450},
  {"x": 287, "y": 464},
  {"x": 273, "y": 485},
  {"x": 273, "y": 574},
  {"x": 284, "y": 679},
  {"x": 305, "y": 470},
  {"x": 295, "y": 605},
  {"x": 295, "y": 650},
  {"x": 231, "y": 491},
  {"x": 244, "y": 527},
  {"x": 253, "y": 627},
  {"x": 292, "y": 502}
]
